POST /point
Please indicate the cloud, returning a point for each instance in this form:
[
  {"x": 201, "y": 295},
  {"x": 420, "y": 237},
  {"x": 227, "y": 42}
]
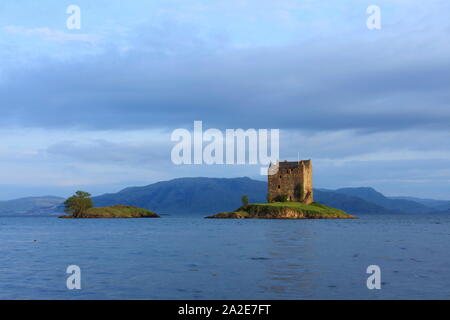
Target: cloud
[
  {"x": 115, "y": 153},
  {"x": 264, "y": 88},
  {"x": 369, "y": 107},
  {"x": 52, "y": 35},
  {"x": 175, "y": 72},
  {"x": 422, "y": 178},
  {"x": 349, "y": 145}
]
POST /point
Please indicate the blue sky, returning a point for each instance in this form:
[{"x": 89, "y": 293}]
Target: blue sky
[{"x": 94, "y": 108}]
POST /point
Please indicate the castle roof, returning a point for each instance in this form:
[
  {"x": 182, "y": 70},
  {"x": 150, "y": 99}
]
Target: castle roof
[{"x": 292, "y": 164}]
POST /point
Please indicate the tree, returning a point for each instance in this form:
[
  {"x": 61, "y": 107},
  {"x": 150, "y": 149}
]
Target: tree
[
  {"x": 244, "y": 200},
  {"x": 77, "y": 204}
]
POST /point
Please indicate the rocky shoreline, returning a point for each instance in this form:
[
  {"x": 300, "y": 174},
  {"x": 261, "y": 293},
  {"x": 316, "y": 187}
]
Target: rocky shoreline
[{"x": 284, "y": 210}]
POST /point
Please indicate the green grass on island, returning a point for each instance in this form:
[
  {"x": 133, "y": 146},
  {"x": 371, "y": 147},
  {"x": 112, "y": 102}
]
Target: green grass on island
[
  {"x": 284, "y": 210},
  {"x": 117, "y": 211}
]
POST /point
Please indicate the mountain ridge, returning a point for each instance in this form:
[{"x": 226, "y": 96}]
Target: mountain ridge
[
  {"x": 207, "y": 195},
  {"x": 31, "y": 205},
  {"x": 371, "y": 195},
  {"x": 202, "y": 195}
]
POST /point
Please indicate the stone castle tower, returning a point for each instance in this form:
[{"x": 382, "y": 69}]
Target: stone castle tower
[{"x": 292, "y": 180}]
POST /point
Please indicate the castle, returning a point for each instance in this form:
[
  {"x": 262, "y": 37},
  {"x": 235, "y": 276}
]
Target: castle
[{"x": 291, "y": 181}]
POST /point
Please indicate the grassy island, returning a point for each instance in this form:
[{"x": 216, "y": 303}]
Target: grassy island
[
  {"x": 117, "y": 211},
  {"x": 284, "y": 210},
  {"x": 80, "y": 205}
]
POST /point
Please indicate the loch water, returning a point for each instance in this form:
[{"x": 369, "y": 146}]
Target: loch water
[{"x": 188, "y": 257}]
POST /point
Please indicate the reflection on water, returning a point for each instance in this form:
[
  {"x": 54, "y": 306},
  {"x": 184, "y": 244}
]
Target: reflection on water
[
  {"x": 289, "y": 269},
  {"x": 195, "y": 258}
]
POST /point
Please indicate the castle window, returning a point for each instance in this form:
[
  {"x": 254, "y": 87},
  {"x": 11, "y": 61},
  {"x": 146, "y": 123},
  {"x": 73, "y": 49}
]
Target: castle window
[
  {"x": 279, "y": 187},
  {"x": 280, "y": 176}
]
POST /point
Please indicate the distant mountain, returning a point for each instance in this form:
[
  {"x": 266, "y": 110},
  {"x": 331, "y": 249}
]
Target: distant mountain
[
  {"x": 210, "y": 195},
  {"x": 348, "y": 203},
  {"x": 31, "y": 206},
  {"x": 189, "y": 195},
  {"x": 444, "y": 208},
  {"x": 427, "y": 202},
  {"x": 206, "y": 196},
  {"x": 395, "y": 205}
]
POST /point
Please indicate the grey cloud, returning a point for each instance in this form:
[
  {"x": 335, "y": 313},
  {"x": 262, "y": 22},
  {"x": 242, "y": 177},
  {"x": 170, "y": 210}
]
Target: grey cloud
[
  {"x": 102, "y": 151},
  {"x": 337, "y": 95},
  {"x": 350, "y": 144},
  {"x": 423, "y": 178},
  {"x": 173, "y": 76}
]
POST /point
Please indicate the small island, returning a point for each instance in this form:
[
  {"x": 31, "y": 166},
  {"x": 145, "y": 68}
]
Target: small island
[
  {"x": 290, "y": 196},
  {"x": 117, "y": 211},
  {"x": 284, "y": 210},
  {"x": 80, "y": 206}
]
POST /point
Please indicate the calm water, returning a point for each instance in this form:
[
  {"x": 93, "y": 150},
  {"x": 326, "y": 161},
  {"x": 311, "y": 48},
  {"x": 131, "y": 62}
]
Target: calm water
[{"x": 195, "y": 258}]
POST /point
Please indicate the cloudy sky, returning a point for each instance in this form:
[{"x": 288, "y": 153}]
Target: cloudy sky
[{"x": 94, "y": 108}]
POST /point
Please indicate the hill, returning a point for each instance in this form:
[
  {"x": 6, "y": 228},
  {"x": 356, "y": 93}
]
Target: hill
[
  {"x": 375, "y": 197},
  {"x": 439, "y": 205},
  {"x": 209, "y": 195},
  {"x": 31, "y": 205},
  {"x": 205, "y": 196},
  {"x": 348, "y": 203},
  {"x": 188, "y": 195}
]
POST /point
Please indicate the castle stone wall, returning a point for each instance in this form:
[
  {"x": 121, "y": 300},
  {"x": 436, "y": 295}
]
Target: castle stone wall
[{"x": 293, "y": 179}]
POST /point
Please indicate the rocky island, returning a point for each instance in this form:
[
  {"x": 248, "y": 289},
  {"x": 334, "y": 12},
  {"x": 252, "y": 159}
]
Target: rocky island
[
  {"x": 290, "y": 196},
  {"x": 284, "y": 210}
]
